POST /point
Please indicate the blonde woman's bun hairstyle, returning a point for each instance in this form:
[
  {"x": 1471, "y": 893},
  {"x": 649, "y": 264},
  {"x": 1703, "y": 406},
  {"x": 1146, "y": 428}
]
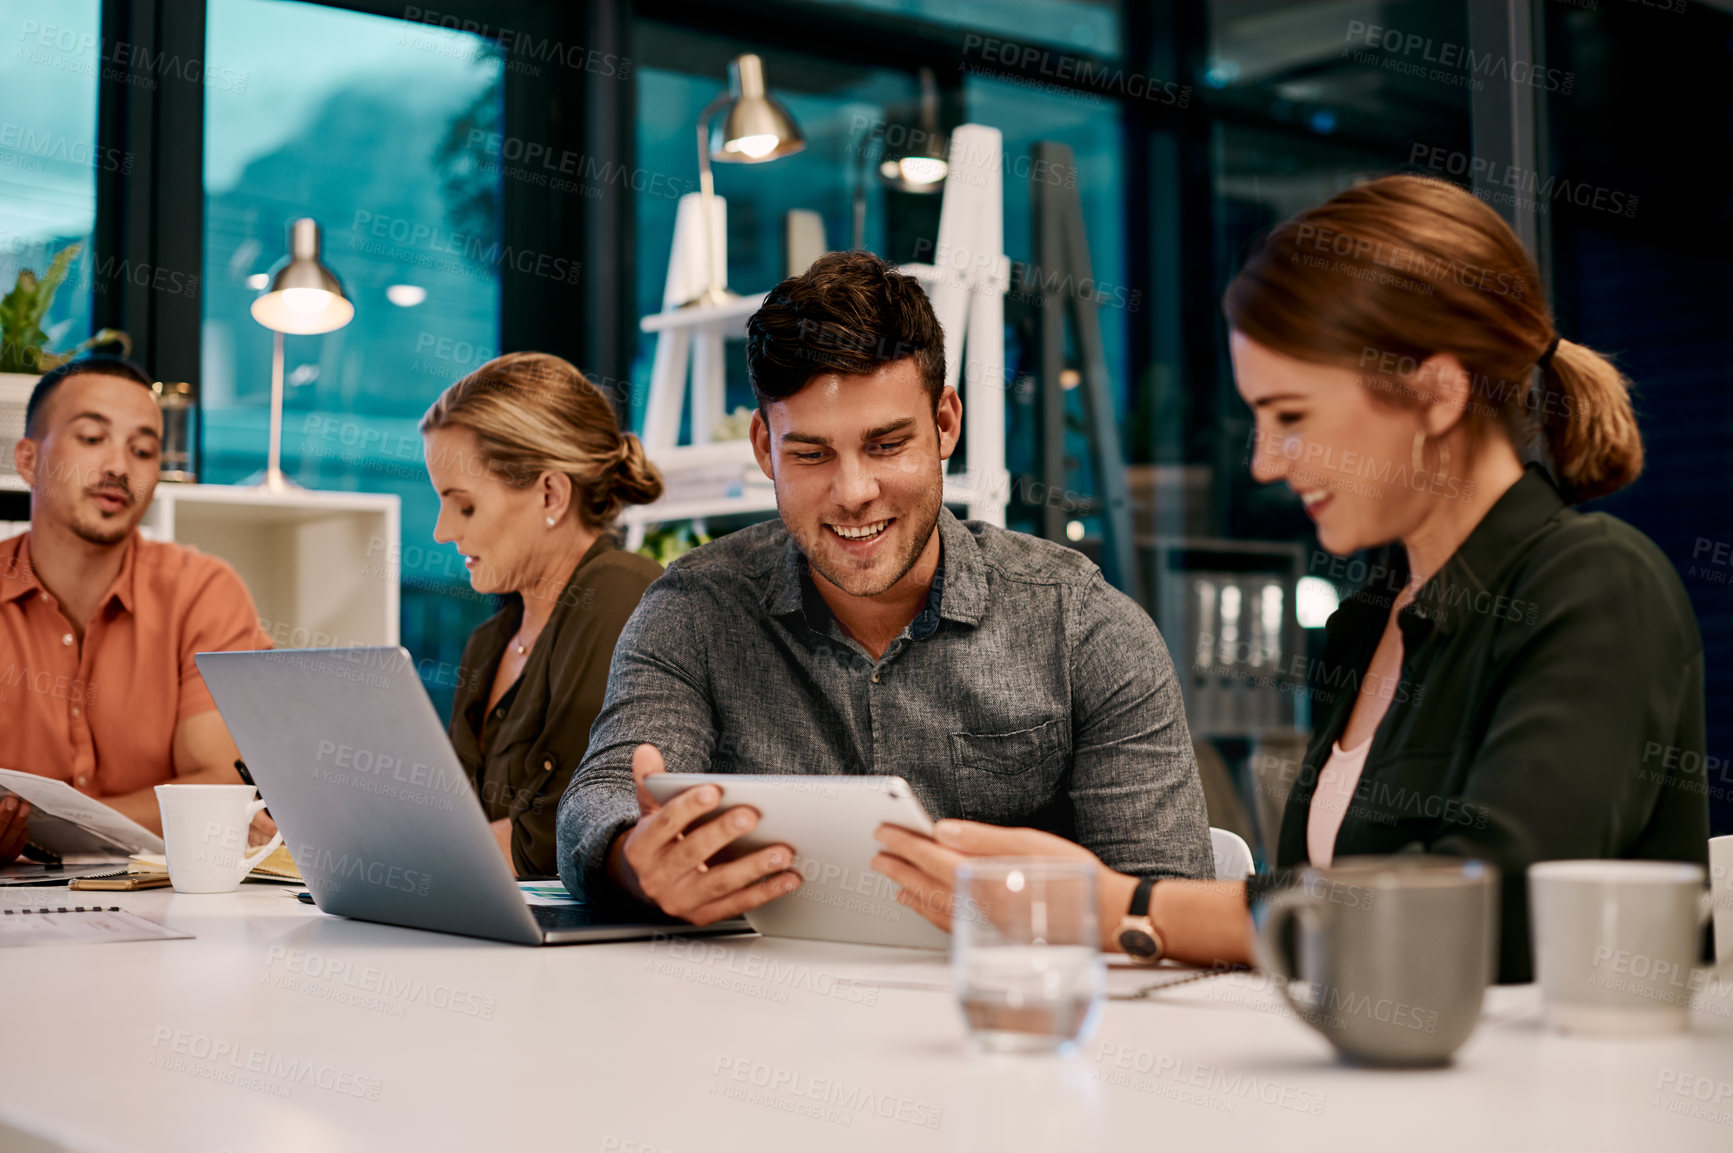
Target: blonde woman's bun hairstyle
[{"x": 532, "y": 412}]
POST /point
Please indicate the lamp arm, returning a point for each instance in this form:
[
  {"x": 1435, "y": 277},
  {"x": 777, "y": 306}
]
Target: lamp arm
[
  {"x": 863, "y": 164},
  {"x": 707, "y": 193},
  {"x": 274, "y": 457}
]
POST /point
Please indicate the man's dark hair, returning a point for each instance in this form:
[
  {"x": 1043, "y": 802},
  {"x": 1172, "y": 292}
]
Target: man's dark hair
[
  {"x": 850, "y": 313},
  {"x": 96, "y": 364}
]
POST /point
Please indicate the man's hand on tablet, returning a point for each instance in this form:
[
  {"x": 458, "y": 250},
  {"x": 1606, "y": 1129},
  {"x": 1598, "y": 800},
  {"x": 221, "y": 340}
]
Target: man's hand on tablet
[{"x": 667, "y": 858}]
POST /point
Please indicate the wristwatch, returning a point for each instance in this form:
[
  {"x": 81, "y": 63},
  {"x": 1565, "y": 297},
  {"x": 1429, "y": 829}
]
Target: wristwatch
[{"x": 1137, "y": 935}]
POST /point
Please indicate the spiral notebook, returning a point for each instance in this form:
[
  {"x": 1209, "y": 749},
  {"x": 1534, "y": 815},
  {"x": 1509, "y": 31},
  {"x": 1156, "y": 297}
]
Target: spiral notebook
[{"x": 79, "y": 925}]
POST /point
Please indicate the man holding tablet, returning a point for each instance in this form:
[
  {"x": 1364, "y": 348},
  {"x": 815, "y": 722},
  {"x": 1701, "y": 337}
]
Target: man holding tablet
[{"x": 869, "y": 631}]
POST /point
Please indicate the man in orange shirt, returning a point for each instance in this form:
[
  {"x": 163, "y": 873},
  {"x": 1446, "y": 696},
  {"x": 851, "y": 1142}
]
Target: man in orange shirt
[{"x": 98, "y": 626}]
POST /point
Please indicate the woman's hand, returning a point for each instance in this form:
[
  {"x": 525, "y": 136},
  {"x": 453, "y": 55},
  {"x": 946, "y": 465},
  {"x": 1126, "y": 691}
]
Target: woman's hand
[
  {"x": 261, "y": 830},
  {"x": 926, "y": 867},
  {"x": 501, "y": 830}
]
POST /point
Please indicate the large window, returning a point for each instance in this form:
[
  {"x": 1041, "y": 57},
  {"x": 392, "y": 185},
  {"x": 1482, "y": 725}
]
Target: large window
[
  {"x": 1311, "y": 98},
  {"x": 1091, "y": 128},
  {"x": 1637, "y": 206},
  {"x": 1362, "y": 69},
  {"x": 366, "y": 125},
  {"x": 49, "y": 156}
]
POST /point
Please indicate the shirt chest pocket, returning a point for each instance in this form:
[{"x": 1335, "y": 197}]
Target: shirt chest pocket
[{"x": 1006, "y": 778}]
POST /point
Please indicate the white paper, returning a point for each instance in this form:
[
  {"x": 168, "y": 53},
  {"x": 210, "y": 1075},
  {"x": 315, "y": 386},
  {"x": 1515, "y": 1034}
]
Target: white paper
[
  {"x": 32, "y": 927},
  {"x": 66, "y": 821}
]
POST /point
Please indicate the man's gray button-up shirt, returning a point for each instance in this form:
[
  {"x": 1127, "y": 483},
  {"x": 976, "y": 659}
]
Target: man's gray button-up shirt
[{"x": 1027, "y": 692}]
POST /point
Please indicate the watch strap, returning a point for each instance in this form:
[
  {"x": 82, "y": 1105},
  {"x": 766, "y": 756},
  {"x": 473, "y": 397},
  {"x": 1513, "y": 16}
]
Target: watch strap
[{"x": 1140, "y": 897}]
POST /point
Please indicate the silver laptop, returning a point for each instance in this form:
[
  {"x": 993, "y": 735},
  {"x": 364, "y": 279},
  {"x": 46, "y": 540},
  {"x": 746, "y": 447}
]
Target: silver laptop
[{"x": 374, "y": 805}]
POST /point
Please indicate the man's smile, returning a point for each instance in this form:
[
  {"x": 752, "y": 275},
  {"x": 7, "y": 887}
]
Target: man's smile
[{"x": 867, "y": 531}]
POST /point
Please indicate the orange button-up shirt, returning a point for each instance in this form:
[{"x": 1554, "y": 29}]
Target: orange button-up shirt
[{"x": 101, "y": 715}]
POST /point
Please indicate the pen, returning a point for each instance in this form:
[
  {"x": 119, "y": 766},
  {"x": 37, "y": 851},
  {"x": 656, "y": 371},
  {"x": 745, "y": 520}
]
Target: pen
[{"x": 34, "y": 852}]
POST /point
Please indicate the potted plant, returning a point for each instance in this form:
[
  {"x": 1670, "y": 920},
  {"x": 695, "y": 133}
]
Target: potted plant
[
  {"x": 23, "y": 343},
  {"x": 24, "y": 354},
  {"x": 664, "y": 543}
]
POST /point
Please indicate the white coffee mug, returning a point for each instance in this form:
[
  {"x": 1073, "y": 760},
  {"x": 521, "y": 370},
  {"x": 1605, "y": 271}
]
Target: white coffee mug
[
  {"x": 1616, "y": 943},
  {"x": 204, "y": 835},
  {"x": 1721, "y": 884}
]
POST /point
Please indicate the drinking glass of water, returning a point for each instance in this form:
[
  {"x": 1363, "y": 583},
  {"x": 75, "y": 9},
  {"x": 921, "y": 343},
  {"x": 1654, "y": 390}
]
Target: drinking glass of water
[{"x": 1024, "y": 953}]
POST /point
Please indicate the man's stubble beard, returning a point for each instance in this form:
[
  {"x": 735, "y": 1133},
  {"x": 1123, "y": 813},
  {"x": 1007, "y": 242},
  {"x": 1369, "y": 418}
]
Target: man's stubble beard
[
  {"x": 100, "y": 536},
  {"x": 110, "y": 533},
  {"x": 99, "y": 532},
  {"x": 925, "y": 517}
]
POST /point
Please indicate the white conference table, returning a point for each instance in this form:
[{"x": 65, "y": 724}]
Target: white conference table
[{"x": 255, "y": 1038}]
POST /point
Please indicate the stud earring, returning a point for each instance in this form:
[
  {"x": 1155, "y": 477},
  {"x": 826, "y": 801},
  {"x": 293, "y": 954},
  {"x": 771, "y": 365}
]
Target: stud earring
[{"x": 550, "y": 522}]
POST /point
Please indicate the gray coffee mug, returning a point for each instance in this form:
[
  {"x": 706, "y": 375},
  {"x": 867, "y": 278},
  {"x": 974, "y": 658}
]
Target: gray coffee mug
[{"x": 1391, "y": 955}]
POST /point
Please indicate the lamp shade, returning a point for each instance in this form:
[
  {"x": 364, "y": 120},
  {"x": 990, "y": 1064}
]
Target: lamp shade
[
  {"x": 916, "y": 173},
  {"x": 303, "y": 296},
  {"x": 754, "y": 127},
  {"x": 923, "y": 167}
]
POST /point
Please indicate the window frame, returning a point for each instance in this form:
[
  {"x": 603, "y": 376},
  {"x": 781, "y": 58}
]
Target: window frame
[{"x": 154, "y": 217}]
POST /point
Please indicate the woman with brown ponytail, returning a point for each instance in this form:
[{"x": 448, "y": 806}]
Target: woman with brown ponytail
[
  {"x": 1520, "y": 681},
  {"x": 532, "y": 470}
]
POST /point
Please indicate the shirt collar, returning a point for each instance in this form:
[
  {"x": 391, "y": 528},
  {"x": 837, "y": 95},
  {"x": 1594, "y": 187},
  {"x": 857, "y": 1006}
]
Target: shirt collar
[
  {"x": 18, "y": 575},
  {"x": 1443, "y": 602},
  {"x": 926, "y": 622},
  {"x": 602, "y": 544},
  {"x": 512, "y": 619},
  {"x": 958, "y": 592},
  {"x": 122, "y": 588}
]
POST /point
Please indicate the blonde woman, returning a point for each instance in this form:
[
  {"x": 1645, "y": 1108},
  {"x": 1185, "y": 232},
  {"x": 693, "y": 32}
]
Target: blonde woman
[{"x": 531, "y": 470}]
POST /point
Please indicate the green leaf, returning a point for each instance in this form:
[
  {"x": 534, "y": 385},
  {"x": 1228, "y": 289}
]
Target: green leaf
[
  {"x": 57, "y": 269},
  {"x": 22, "y": 340},
  {"x": 23, "y": 343}
]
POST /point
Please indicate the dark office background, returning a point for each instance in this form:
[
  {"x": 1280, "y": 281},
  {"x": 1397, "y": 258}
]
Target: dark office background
[{"x": 386, "y": 120}]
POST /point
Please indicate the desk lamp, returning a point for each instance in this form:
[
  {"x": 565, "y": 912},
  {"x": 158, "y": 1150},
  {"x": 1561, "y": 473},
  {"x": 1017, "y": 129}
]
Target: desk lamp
[
  {"x": 303, "y": 297},
  {"x": 754, "y": 128}
]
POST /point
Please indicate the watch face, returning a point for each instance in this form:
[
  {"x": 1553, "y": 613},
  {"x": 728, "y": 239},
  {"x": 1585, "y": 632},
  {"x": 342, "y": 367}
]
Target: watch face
[{"x": 1137, "y": 943}]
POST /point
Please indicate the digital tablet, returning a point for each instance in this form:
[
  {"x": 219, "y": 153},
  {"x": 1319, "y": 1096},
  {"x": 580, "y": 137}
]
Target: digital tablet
[{"x": 829, "y": 822}]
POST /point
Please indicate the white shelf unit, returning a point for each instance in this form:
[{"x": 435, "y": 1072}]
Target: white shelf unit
[
  {"x": 15, "y": 390},
  {"x": 322, "y": 566},
  {"x": 727, "y": 474}
]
